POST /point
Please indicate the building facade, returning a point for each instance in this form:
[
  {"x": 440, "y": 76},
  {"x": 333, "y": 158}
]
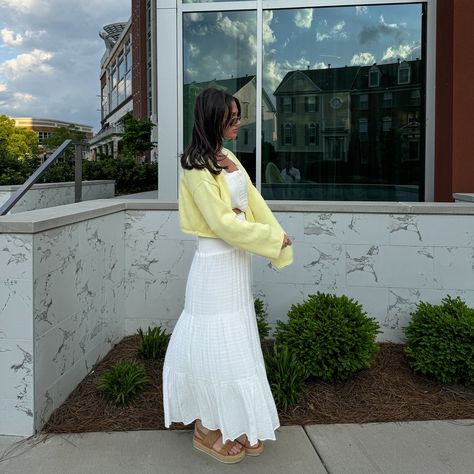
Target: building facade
[
  {"x": 369, "y": 98},
  {"x": 43, "y": 127},
  {"x": 127, "y": 77}
]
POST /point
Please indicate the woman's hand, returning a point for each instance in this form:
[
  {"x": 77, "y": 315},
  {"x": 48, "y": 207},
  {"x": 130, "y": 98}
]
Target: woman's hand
[{"x": 286, "y": 242}]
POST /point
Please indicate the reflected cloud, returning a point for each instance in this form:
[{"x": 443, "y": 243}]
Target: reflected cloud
[
  {"x": 268, "y": 35},
  {"x": 336, "y": 32},
  {"x": 372, "y": 33},
  {"x": 362, "y": 10},
  {"x": 362, "y": 59},
  {"x": 304, "y": 18},
  {"x": 403, "y": 51}
]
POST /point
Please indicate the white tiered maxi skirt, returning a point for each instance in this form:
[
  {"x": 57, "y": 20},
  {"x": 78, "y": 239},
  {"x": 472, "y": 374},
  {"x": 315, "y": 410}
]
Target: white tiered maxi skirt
[{"x": 214, "y": 368}]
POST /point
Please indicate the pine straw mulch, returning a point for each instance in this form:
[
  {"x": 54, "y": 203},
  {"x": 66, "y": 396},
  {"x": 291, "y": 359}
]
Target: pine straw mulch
[{"x": 387, "y": 391}]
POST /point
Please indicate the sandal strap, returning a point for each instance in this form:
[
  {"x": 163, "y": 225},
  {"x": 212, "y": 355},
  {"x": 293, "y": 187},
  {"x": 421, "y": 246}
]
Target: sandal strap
[
  {"x": 227, "y": 447},
  {"x": 209, "y": 438}
]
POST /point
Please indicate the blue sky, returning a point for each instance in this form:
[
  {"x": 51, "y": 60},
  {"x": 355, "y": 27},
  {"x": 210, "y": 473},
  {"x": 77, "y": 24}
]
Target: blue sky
[{"x": 50, "y": 55}]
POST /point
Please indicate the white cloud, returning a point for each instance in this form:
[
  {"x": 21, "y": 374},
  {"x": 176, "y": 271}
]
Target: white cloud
[
  {"x": 10, "y": 38},
  {"x": 362, "y": 59},
  {"x": 275, "y": 71},
  {"x": 321, "y": 36},
  {"x": 195, "y": 16},
  {"x": 362, "y": 10},
  {"x": 268, "y": 35},
  {"x": 336, "y": 32},
  {"x": 404, "y": 51},
  {"x": 304, "y": 17},
  {"x": 391, "y": 26},
  {"x": 3, "y": 87},
  {"x": 194, "y": 49},
  {"x": 34, "y": 62},
  {"x": 23, "y": 97},
  {"x": 22, "y": 6}
]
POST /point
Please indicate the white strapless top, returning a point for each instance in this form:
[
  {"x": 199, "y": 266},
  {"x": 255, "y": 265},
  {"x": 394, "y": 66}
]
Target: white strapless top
[{"x": 237, "y": 185}]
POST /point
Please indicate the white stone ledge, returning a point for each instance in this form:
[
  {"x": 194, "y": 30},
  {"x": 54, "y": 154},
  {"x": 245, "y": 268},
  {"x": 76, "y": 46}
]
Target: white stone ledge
[
  {"x": 465, "y": 197},
  {"x": 31, "y": 222},
  {"x": 66, "y": 184}
]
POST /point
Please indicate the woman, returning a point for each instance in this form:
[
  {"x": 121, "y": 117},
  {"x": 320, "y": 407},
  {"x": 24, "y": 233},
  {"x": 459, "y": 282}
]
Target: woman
[{"x": 214, "y": 371}]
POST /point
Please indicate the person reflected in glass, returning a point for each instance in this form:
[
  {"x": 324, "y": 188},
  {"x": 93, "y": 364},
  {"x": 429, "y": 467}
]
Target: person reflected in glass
[
  {"x": 290, "y": 173},
  {"x": 214, "y": 371}
]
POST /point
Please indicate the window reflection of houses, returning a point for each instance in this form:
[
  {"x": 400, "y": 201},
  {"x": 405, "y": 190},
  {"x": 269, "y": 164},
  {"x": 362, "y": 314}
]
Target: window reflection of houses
[
  {"x": 386, "y": 136},
  {"x": 244, "y": 88},
  {"x": 358, "y": 124}
]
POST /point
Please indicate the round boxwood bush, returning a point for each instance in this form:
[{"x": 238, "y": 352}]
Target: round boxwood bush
[
  {"x": 440, "y": 341},
  {"x": 331, "y": 336}
]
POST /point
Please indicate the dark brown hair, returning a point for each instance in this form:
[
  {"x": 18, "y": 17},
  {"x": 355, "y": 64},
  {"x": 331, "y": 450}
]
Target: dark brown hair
[{"x": 212, "y": 115}]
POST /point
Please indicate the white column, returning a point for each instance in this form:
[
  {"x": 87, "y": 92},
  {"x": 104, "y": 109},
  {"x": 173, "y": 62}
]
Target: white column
[{"x": 167, "y": 107}]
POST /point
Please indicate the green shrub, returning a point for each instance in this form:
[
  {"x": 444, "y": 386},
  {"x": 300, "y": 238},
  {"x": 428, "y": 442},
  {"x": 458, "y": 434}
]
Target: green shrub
[
  {"x": 153, "y": 343},
  {"x": 263, "y": 326},
  {"x": 123, "y": 381},
  {"x": 440, "y": 341},
  {"x": 285, "y": 376},
  {"x": 331, "y": 336}
]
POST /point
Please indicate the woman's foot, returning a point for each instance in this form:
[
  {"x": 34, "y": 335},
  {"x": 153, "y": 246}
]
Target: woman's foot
[
  {"x": 250, "y": 449},
  {"x": 218, "y": 444},
  {"x": 243, "y": 441}
]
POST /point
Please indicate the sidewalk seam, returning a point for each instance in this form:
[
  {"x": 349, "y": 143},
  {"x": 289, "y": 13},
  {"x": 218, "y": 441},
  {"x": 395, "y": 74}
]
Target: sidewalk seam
[{"x": 316, "y": 450}]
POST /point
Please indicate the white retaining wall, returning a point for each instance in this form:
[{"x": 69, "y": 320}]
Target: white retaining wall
[
  {"x": 77, "y": 278},
  {"x": 44, "y": 195}
]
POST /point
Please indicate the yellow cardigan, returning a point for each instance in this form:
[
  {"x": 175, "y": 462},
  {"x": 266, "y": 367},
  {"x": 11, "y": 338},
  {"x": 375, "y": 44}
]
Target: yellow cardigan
[{"x": 205, "y": 209}]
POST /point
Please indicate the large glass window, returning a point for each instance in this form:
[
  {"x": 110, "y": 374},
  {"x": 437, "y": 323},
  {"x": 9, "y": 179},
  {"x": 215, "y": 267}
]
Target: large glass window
[
  {"x": 219, "y": 50},
  {"x": 342, "y": 99},
  {"x": 345, "y": 88}
]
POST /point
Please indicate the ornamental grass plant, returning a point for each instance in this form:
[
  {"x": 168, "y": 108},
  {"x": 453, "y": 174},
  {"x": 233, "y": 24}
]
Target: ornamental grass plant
[
  {"x": 123, "y": 381},
  {"x": 285, "y": 376},
  {"x": 153, "y": 343}
]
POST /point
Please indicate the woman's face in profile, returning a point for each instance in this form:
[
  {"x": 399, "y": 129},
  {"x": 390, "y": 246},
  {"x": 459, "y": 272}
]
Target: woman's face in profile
[{"x": 231, "y": 131}]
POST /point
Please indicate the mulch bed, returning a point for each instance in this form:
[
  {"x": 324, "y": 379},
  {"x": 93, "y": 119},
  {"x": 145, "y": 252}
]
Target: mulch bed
[{"x": 387, "y": 391}]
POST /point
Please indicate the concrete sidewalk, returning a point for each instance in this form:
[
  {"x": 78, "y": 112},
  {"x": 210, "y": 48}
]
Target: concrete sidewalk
[{"x": 431, "y": 447}]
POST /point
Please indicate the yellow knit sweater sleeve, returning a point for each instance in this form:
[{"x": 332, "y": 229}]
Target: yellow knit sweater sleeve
[{"x": 255, "y": 237}]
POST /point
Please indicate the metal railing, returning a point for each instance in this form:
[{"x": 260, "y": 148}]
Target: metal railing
[{"x": 23, "y": 189}]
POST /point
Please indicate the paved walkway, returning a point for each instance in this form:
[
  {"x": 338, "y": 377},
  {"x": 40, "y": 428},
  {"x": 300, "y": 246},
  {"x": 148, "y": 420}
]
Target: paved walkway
[{"x": 432, "y": 447}]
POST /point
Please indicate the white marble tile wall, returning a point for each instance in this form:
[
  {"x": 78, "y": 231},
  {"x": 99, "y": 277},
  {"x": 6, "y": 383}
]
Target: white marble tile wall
[
  {"x": 39, "y": 197},
  {"x": 68, "y": 294},
  {"x": 157, "y": 259},
  {"x": 78, "y": 310},
  {"x": 16, "y": 334},
  {"x": 387, "y": 262}
]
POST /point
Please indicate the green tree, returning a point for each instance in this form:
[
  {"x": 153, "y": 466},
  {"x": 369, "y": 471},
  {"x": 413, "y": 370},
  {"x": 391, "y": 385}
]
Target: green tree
[
  {"x": 19, "y": 143},
  {"x": 136, "y": 138}
]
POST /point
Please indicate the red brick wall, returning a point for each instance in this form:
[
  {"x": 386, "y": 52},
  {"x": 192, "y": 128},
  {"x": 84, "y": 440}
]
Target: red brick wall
[
  {"x": 454, "y": 157},
  {"x": 463, "y": 97},
  {"x": 139, "y": 79}
]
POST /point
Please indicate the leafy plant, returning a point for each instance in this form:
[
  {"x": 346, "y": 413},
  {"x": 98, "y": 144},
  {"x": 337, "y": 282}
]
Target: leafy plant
[
  {"x": 263, "y": 326},
  {"x": 440, "y": 341},
  {"x": 285, "y": 376},
  {"x": 153, "y": 343},
  {"x": 331, "y": 336},
  {"x": 123, "y": 381}
]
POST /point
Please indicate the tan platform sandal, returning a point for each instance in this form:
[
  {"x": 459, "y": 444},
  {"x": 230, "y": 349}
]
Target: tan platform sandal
[
  {"x": 223, "y": 455},
  {"x": 252, "y": 450}
]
